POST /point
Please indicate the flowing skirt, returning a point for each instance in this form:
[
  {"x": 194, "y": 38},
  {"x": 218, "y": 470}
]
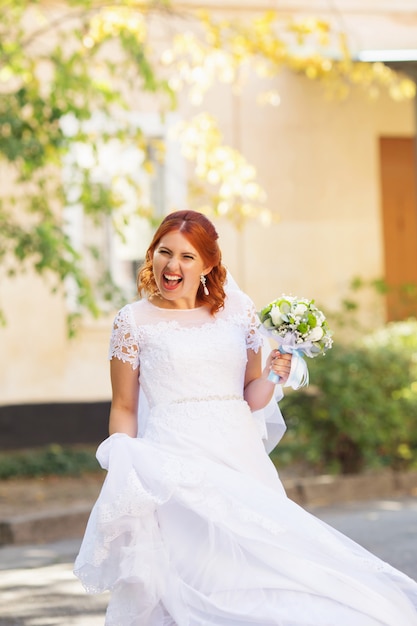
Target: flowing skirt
[{"x": 193, "y": 528}]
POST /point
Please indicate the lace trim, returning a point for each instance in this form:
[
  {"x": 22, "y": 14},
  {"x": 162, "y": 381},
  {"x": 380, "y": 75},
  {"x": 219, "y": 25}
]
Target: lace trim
[{"x": 254, "y": 339}]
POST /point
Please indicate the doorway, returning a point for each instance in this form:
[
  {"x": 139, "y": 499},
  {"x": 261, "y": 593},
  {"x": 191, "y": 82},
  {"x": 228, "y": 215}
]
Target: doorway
[{"x": 399, "y": 216}]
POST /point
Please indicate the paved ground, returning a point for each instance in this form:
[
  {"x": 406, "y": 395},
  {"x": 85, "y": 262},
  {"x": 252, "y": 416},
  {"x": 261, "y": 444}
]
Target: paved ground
[
  {"x": 37, "y": 587},
  {"x": 387, "y": 527}
]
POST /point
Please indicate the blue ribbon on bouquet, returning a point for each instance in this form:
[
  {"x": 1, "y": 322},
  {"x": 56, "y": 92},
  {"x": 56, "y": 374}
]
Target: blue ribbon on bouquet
[
  {"x": 299, "y": 371},
  {"x": 287, "y": 345}
]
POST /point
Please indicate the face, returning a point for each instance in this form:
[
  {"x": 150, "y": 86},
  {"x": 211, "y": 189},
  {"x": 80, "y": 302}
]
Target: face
[{"x": 177, "y": 267}]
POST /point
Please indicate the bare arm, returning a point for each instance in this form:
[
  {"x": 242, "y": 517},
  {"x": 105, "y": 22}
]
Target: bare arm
[
  {"x": 258, "y": 389},
  {"x": 124, "y": 406}
]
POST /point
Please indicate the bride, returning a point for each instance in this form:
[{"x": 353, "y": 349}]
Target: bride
[{"x": 193, "y": 526}]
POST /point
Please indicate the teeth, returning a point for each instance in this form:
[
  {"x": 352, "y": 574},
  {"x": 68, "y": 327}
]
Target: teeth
[{"x": 173, "y": 278}]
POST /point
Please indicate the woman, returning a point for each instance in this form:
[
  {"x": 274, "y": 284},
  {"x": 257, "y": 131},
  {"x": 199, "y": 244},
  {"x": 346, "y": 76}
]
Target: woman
[{"x": 193, "y": 526}]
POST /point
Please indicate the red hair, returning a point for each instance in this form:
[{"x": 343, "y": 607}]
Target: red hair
[{"x": 202, "y": 235}]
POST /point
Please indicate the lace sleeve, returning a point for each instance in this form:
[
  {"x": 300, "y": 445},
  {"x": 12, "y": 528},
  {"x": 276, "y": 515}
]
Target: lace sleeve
[
  {"x": 249, "y": 319},
  {"x": 254, "y": 338},
  {"x": 123, "y": 341}
]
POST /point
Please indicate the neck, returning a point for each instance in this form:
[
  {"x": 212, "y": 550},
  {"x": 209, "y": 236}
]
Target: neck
[{"x": 163, "y": 303}]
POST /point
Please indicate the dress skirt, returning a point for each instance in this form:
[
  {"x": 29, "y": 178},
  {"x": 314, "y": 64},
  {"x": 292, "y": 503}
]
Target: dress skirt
[{"x": 193, "y": 528}]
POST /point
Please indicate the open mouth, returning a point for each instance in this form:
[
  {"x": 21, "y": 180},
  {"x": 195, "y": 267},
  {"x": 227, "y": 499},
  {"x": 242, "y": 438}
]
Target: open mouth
[{"x": 171, "y": 281}]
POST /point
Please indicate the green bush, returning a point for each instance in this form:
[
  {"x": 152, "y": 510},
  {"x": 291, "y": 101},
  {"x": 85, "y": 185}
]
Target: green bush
[
  {"x": 360, "y": 409},
  {"x": 53, "y": 460}
]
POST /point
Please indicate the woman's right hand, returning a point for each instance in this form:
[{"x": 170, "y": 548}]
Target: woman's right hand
[{"x": 280, "y": 364}]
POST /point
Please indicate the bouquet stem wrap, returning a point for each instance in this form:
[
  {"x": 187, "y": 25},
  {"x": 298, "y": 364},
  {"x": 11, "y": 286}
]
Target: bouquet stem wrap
[{"x": 299, "y": 371}]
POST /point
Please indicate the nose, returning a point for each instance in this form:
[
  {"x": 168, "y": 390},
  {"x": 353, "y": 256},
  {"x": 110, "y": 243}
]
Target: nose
[{"x": 173, "y": 265}]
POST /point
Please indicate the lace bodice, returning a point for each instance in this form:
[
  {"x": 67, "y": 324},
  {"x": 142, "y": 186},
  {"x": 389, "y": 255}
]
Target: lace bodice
[{"x": 187, "y": 354}]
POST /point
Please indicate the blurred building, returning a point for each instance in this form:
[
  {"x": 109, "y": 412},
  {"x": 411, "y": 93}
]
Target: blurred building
[{"x": 339, "y": 174}]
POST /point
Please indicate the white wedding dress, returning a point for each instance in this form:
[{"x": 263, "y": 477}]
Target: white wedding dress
[{"x": 193, "y": 526}]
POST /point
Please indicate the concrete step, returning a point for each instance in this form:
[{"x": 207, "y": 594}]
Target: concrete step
[{"x": 68, "y": 521}]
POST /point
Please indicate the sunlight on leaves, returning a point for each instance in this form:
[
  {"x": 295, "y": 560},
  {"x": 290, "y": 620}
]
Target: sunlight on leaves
[
  {"x": 238, "y": 195},
  {"x": 223, "y": 49}
]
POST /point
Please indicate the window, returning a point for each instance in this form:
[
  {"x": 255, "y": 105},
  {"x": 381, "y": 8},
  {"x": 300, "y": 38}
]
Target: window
[{"x": 113, "y": 244}]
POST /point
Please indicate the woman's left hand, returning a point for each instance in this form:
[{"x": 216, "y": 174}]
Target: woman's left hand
[{"x": 280, "y": 364}]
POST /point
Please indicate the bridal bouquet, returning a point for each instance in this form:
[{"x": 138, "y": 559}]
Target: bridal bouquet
[{"x": 299, "y": 328}]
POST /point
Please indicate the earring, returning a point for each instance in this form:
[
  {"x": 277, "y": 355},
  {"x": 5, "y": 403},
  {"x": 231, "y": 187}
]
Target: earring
[{"x": 203, "y": 282}]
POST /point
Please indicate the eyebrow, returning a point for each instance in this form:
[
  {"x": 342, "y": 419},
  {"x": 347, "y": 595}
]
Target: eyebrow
[{"x": 194, "y": 254}]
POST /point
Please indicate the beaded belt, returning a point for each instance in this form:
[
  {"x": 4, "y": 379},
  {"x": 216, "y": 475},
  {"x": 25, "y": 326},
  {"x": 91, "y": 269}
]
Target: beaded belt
[{"x": 207, "y": 399}]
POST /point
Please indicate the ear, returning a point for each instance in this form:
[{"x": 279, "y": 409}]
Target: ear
[{"x": 207, "y": 270}]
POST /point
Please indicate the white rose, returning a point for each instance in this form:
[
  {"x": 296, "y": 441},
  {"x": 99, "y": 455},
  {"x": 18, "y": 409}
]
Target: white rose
[
  {"x": 300, "y": 309},
  {"x": 275, "y": 314},
  {"x": 315, "y": 334}
]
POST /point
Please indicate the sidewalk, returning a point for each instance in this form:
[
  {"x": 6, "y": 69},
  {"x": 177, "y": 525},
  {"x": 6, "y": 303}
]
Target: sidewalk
[{"x": 57, "y": 508}]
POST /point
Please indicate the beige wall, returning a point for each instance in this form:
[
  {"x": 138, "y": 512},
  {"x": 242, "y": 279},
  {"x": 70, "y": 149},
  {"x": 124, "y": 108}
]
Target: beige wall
[
  {"x": 39, "y": 362},
  {"x": 318, "y": 161}
]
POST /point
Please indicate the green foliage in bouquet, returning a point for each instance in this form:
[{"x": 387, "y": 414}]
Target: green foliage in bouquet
[{"x": 360, "y": 409}]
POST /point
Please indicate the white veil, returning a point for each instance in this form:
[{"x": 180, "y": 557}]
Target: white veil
[{"x": 269, "y": 419}]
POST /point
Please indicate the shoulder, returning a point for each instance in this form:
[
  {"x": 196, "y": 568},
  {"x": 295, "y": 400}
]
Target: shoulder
[
  {"x": 240, "y": 310},
  {"x": 131, "y": 313},
  {"x": 123, "y": 317}
]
